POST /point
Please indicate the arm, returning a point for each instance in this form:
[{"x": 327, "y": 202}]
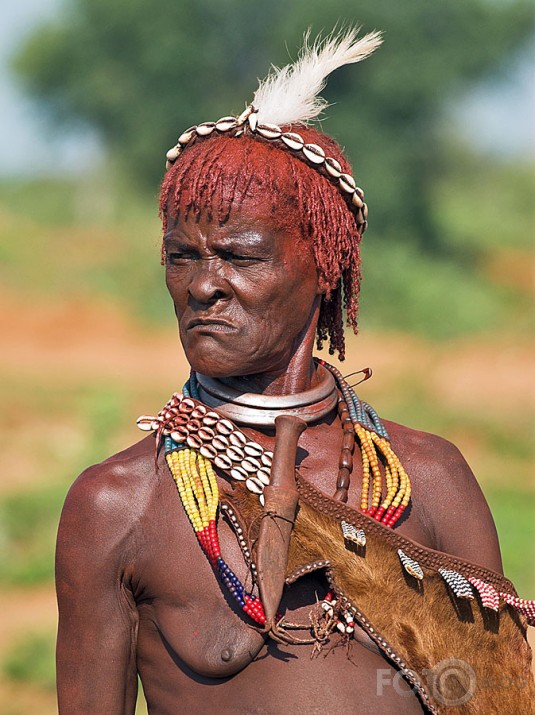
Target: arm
[{"x": 96, "y": 662}]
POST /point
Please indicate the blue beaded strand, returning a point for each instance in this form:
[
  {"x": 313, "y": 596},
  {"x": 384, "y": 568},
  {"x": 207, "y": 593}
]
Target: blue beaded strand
[
  {"x": 170, "y": 445},
  {"x": 231, "y": 581},
  {"x": 374, "y": 419},
  {"x": 194, "y": 386}
]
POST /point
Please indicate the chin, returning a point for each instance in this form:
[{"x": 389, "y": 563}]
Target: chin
[
  {"x": 214, "y": 358},
  {"x": 212, "y": 362},
  {"x": 220, "y": 364},
  {"x": 215, "y": 372}
]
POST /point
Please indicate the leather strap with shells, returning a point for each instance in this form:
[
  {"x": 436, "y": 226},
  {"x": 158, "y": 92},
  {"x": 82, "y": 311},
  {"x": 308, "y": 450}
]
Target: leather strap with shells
[
  {"x": 189, "y": 422},
  {"x": 312, "y": 153}
]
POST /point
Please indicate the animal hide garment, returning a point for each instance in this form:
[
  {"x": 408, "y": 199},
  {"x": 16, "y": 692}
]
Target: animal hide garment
[{"x": 442, "y": 621}]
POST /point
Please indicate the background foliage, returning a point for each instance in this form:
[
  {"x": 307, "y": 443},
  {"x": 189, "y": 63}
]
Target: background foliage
[{"x": 142, "y": 76}]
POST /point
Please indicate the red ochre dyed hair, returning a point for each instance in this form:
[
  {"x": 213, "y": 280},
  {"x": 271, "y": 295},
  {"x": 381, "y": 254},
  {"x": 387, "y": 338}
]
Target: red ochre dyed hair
[{"x": 215, "y": 175}]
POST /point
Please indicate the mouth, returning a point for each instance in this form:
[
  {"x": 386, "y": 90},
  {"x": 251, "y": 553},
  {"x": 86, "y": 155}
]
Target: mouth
[{"x": 209, "y": 324}]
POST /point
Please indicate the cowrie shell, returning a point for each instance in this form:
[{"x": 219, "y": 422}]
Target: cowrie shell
[
  {"x": 225, "y": 124},
  {"x": 210, "y": 419},
  {"x": 199, "y": 411},
  {"x": 145, "y": 423},
  {"x": 204, "y": 129},
  {"x": 193, "y": 441},
  {"x": 253, "y": 449},
  {"x": 179, "y": 419},
  {"x": 224, "y": 427},
  {"x": 253, "y": 485},
  {"x": 179, "y": 434},
  {"x": 223, "y": 462},
  {"x": 314, "y": 153},
  {"x": 220, "y": 442},
  {"x": 267, "y": 458},
  {"x": 237, "y": 438},
  {"x": 172, "y": 154},
  {"x": 235, "y": 453},
  {"x": 269, "y": 131},
  {"x": 208, "y": 451},
  {"x": 333, "y": 167},
  {"x": 186, "y": 405},
  {"x": 193, "y": 425},
  {"x": 347, "y": 183},
  {"x": 292, "y": 141},
  {"x": 239, "y": 474},
  {"x": 206, "y": 434},
  {"x": 357, "y": 201},
  {"x": 253, "y": 120},
  {"x": 264, "y": 476},
  {"x": 186, "y": 136},
  {"x": 251, "y": 465}
]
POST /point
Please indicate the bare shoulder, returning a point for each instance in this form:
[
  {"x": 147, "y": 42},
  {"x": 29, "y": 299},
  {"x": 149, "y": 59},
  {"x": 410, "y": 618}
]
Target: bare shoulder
[
  {"x": 131, "y": 467},
  {"x": 428, "y": 454},
  {"x": 106, "y": 501},
  {"x": 447, "y": 495}
]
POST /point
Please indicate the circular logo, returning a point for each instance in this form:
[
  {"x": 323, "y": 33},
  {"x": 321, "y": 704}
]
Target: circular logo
[{"x": 452, "y": 682}]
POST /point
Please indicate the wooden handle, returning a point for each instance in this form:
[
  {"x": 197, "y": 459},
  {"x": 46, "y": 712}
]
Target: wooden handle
[
  {"x": 281, "y": 498},
  {"x": 288, "y": 429}
]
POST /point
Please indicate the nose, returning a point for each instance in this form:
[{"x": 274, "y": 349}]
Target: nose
[{"x": 207, "y": 285}]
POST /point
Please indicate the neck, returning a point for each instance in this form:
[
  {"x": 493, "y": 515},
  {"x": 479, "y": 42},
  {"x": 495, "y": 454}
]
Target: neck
[
  {"x": 292, "y": 381},
  {"x": 297, "y": 375}
]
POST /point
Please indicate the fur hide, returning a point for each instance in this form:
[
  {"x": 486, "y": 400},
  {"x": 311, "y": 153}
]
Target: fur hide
[{"x": 445, "y": 646}]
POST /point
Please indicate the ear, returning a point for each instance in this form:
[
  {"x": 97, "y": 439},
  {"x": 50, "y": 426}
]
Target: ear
[{"x": 322, "y": 286}]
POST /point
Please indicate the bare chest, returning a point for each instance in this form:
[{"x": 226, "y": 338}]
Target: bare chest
[
  {"x": 194, "y": 648},
  {"x": 179, "y": 596}
]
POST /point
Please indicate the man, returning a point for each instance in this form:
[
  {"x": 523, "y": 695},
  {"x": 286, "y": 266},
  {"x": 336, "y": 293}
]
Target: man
[{"x": 220, "y": 601}]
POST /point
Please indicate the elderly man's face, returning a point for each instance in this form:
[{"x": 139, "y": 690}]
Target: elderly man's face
[{"x": 244, "y": 293}]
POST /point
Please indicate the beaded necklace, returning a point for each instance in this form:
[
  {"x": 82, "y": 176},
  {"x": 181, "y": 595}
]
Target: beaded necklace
[
  {"x": 197, "y": 487},
  {"x": 374, "y": 443},
  {"x": 194, "y": 437}
]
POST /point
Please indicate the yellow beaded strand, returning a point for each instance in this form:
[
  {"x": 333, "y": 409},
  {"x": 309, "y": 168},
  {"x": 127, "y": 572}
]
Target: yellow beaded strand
[
  {"x": 398, "y": 487},
  {"x": 196, "y": 484},
  {"x": 403, "y": 494},
  {"x": 365, "y": 495}
]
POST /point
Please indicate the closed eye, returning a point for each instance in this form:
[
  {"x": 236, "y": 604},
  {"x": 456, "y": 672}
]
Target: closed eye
[
  {"x": 177, "y": 257},
  {"x": 239, "y": 259}
]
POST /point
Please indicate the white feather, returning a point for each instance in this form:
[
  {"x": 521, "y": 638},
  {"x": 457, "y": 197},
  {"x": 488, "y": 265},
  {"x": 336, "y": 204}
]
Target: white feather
[{"x": 290, "y": 94}]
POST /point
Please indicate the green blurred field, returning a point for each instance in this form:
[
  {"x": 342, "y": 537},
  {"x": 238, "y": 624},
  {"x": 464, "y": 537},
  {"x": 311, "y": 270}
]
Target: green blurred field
[{"x": 89, "y": 343}]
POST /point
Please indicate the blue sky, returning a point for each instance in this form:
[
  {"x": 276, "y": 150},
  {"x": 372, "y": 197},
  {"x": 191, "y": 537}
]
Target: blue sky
[
  {"x": 26, "y": 141},
  {"x": 498, "y": 118}
]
